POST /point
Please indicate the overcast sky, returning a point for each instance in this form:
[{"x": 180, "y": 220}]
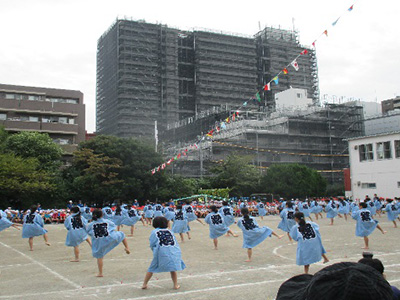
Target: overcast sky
[{"x": 52, "y": 43}]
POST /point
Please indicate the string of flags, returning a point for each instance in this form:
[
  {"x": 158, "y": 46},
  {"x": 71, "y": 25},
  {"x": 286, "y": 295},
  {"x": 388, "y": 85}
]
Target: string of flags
[
  {"x": 172, "y": 159},
  {"x": 256, "y": 98}
]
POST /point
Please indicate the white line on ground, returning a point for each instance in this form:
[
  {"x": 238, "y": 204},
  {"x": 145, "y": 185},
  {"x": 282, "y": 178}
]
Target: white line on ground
[
  {"x": 206, "y": 290},
  {"x": 42, "y": 265}
]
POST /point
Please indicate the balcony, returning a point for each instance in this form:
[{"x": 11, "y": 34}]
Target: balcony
[{"x": 15, "y": 125}]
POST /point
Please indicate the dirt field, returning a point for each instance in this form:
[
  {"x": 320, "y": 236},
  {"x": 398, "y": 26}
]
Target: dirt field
[{"x": 46, "y": 273}]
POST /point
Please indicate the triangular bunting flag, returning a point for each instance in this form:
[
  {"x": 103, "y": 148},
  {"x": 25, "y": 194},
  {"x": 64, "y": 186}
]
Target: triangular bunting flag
[
  {"x": 334, "y": 23},
  {"x": 351, "y": 8},
  {"x": 258, "y": 97},
  {"x": 285, "y": 71},
  {"x": 245, "y": 103},
  {"x": 153, "y": 171},
  {"x": 313, "y": 43},
  {"x": 267, "y": 87},
  {"x": 276, "y": 80},
  {"x": 304, "y": 52},
  {"x": 326, "y": 32}
]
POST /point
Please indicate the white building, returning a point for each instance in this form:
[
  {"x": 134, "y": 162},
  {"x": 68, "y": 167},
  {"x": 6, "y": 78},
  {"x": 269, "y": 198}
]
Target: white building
[
  {"x": 292, "y": 99},
  {"x": 375, "y": 165}
]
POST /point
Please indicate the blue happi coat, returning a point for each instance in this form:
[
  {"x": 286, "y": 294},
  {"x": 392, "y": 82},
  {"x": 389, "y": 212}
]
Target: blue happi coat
[
  {"x": 76, "y": 226},
  {"x": 169, "y": 213},
  {"x": 344, "y": 207},
  {"x": 391, "y": 211},
  {"x": 4, "y": 222},
  {"x": 158, "y": 210},
  {"x": 309, "y": 243},
  {"x": 371, "y": 207},
  {"x": 252, "y": 233},
  {"x": 86, "y": 213},
  {"x": 104, "y": 237},
  {"x": 180, "y": 224},
  {"x": 261, "y": 209},
  {"x": 107, "y": 213},
  {"x": 33, "y": 226},
  {"x": 216, "y": 224},
  {"x": 365, "y": 224},
  {"x": 130, "y": 217},
  {"x": 304, "y": 208},
  {"x": 331, "y": 210},
  {"x": 118, "y": 217},
  {"x": 287, "y": 222},
  {"x": 189, "y": 211},
  {"x": 148, "y": 211},
  {"x": 227, "y": 214},
  {"x": 167, "y": 255}
]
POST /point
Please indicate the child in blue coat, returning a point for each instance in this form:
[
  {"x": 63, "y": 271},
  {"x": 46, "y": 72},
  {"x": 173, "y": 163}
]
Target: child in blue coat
[
  {"x": 227, "y": 212},
  {"x": 130, "y": 217},
  {"x": 309, "y": 243},
  {"x": 104, "y": 238},
  {"x": 180, "y": 224},
  {"x": 252, "y": 233},
  {"x": 167, "y": 255},
  {"x": 33, "y": 226},
  {"x": 365, "y": 223},
  {"x": 217, "y": 225},
  {"x": 391, "y": 211},
  {"x": 76, "y": 226},
  {"x": 331, "y": 210},
  {"x": 287, "y": 216},
  {"x": 86, "y": 213},
  {"x": 148, "y": 212},
  {"x": 158, "y": 210},
  {"x": 262, "y": 212},
  {"x": 5, "y": 223}
]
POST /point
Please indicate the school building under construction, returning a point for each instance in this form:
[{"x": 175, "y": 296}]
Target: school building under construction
[{"x": 151, "y": 72}]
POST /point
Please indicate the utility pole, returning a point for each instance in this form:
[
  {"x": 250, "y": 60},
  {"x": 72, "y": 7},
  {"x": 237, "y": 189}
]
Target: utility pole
[{"x": 156, "y": 134}]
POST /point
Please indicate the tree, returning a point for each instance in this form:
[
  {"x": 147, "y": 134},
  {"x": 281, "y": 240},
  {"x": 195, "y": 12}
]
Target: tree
[
  {"x": 177, "y": 187},
  {"x": 35, "y": 145},
  {"x": 94, "y": 177},
  {"x": 293, "y": 180},
  {"x": 22, "y": 183},
  {"x": 136, "y": 159},
  {"x": 236, "y": 173}
]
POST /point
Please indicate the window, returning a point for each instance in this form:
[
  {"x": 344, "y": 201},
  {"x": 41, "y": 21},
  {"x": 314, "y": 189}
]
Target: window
[
  {"x": 33, "y": 97},
  {"x": 33, "y": 119},
  {"x": 298, "y": 95},
  {"x": 63, "y": 120},
  {"x": 362, "y": 152},
  {"x": 370, "y": 152},
  {"x": 367, "y": 185},
  {"x": 383, "y": 150},
  {"x": 3, "y": 116},
  {"x": 397, "y": 148},
  {"x": 398, "y": 184},
  {"x": 71, "y": 121}
]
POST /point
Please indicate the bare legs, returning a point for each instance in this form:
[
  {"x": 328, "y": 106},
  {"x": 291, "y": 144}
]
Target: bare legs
[
  {"x": 182, "y": 239},
  {"x": 366, "y": 242},
  {"x": 30, "y": 241},
  {"x": 325, "y": 258},
  {"x": 215, "y": 244},
  {"x": 100, "y": 260},
  {"x": 132, "y": 229},
  {"x": 76, "y": 251},
  {"x": 46, "y": 240},
  {"x": 174, "y": 277},
  {"x": 230, "y": 232},
  {"x": 380, "y": 228},
  {"x": 100, "y": 266},
  {"x": 290, "y": 238},
  {"x": 306, "y": 269},
  {"x": 395, "y": 224},
  {"x": 249, "y": 254}
]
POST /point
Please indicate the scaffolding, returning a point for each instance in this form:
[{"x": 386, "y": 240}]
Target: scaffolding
[
  {"x": 313, "y": 136},
  {"x": 151, "y": 72}
]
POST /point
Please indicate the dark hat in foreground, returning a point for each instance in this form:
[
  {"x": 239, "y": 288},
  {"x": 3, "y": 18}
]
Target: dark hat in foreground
[{"x": 350, "y": 281}]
